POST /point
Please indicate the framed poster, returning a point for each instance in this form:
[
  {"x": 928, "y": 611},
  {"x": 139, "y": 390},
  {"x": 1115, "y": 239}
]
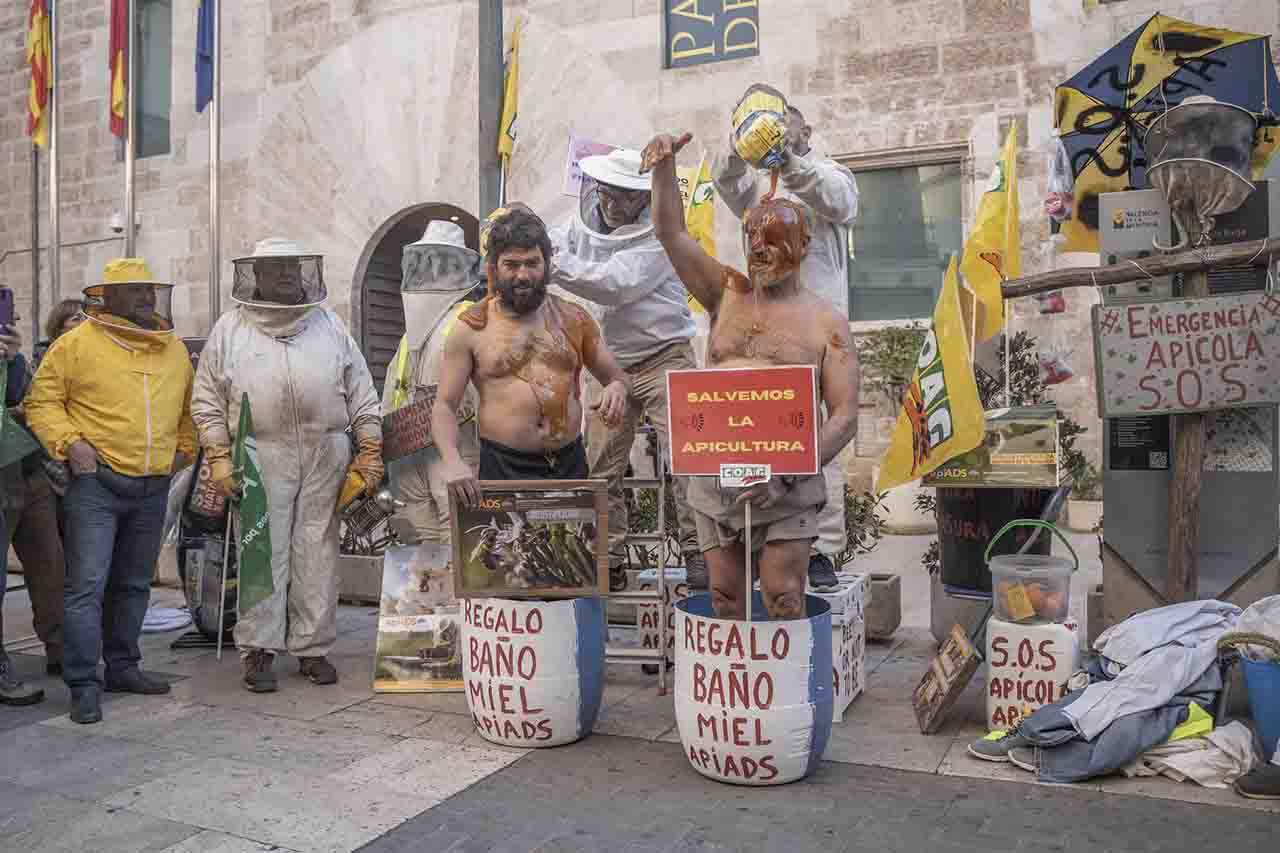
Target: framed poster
[
  {"x": 945, "y": 679},
  {"x": 419, "y": 624},
  {"x": 533, "y": 539}
]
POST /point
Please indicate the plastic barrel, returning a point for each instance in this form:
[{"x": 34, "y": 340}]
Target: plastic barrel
[
  {"x": 1262, "y": 679},
  {"x": 969, "y": 518},
  {"x": 533, "y": 670},
  {"x": 754, "y": 700}
]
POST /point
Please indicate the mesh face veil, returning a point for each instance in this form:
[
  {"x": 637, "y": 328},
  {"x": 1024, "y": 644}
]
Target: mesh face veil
[
  {"x": 284, "y": 281},
  {"x": 438, "y": 269},
  {"x": 145, "y": 305}
]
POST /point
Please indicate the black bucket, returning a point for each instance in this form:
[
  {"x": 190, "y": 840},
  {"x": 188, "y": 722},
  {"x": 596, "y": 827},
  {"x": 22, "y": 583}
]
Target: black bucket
[{"x": 969, "y": 518}]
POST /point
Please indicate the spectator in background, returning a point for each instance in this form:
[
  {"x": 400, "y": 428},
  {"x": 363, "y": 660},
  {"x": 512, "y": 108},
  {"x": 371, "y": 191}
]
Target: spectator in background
[
  {"x": 12, "y": 689},
  {"x": 63, "y": 317}
]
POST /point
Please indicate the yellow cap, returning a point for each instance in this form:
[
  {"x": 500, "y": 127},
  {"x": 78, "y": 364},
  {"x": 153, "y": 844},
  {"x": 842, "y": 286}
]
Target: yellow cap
[{"x": 128, "y": 271}]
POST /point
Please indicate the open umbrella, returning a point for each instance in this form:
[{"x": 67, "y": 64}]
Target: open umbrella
[{"x": 1102, "y": 112}]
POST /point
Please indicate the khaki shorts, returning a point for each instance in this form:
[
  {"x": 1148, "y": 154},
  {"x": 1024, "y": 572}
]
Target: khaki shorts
[{"x": 801, "y": 525}]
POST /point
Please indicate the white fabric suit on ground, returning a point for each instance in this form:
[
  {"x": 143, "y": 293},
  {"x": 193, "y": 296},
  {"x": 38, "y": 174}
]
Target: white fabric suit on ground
[{"x": 307, "y": 384}]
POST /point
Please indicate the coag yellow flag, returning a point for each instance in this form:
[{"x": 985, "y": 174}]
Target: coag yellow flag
[
  {"x": 510, "y": 97},
  {"x": 699, "y": 196},
  {"x": 942, "y": 415},
  {"x": 994, "y": 248}
]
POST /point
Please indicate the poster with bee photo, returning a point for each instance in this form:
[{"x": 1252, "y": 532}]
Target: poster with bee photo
[
  {"x": 419, "y": 626},
  {"x": 533, "y": 539}
]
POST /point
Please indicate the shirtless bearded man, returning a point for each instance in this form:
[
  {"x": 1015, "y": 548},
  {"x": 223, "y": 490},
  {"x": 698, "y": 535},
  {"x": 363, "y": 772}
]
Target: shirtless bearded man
[
  {"x": 769, "y": 319},
  {"x": 524, "y": 351}
]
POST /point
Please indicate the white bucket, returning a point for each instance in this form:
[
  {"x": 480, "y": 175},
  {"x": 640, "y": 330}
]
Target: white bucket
[
  {"x": 753, "y": 699},
  {"x": 533, "y": 670}
]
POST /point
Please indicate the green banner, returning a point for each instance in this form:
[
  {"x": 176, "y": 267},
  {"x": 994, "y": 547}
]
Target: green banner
[
  {"x": 254, "y": 522},
  {"x": 15, "y": 442}
]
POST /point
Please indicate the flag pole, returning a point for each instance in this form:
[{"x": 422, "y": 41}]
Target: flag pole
[
  {"x": 215, "y": 157},
  {"x": 489, "y": 103},
  {"x": 55, "y": 233},
  {"x": 222, "y": 601},
  {"x": 746, "y": 537},
  {"x": 35, "y": 244},
  {"x": 130, "y": 142}
]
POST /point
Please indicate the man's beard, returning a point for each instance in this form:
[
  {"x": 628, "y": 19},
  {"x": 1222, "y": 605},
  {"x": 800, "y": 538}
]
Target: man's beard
[{"x": 521, "y": 300}]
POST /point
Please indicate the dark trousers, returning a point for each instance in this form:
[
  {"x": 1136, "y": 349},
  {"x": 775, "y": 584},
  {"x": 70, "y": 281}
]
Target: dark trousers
[
  {"x": 499, "y": 462},
  {"x": 31, "y": 524},
  {"x": 112, "y": 541}
]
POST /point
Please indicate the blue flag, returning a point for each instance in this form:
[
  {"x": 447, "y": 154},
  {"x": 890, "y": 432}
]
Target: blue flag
[{"x": 204, "y": 55}]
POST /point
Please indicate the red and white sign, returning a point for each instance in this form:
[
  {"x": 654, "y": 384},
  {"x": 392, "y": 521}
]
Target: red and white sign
[
  {"x": 763, "y": 416},
  {"x": 1188, "y": 355}
]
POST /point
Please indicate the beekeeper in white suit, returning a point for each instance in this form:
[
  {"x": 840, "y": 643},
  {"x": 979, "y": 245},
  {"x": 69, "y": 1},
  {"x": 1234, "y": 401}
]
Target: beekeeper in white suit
[
  {"x": 308, "y": 386},
  {"x": 441, "y": 278}
]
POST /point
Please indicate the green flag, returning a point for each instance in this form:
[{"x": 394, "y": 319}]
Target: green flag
[
  {"x": 15, "y": 442},
  {"x": 254, "y": 523}
]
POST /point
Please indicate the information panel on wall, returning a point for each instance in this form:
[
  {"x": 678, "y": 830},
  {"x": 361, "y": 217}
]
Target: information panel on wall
[{"x": 696, "y": 32}]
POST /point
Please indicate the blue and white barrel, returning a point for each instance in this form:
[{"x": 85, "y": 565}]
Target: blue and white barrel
[
  {"x": 754, "y": 700},
  {"x": 533, "y": 670}
]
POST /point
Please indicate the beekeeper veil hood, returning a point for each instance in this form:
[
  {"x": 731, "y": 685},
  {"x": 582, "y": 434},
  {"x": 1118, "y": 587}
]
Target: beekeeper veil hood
[
  {"x": 436, "y": 272},
  {"x": 129, "y": 299},
  {"x": 614, "y": 195},
  {"x": 278, "y": 285}
]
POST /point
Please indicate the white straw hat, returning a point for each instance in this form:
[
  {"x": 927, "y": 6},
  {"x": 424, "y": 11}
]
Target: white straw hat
[{"x": 618, "y": 168}]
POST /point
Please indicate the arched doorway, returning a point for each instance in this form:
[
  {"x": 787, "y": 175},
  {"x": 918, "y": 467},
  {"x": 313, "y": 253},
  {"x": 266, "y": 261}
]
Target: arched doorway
[{"x": 379, "y": 311}]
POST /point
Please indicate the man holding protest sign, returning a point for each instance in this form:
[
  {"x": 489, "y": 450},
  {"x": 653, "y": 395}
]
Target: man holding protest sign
[
  {"x": 524, "y": 352},
  {"x": 770, "y": 319}
]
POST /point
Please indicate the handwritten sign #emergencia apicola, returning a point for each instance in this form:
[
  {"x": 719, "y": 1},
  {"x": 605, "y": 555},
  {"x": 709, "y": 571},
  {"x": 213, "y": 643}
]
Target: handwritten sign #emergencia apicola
[
  {"x": 766, "y": 416},
  {"x": 1188, "y": 355}
]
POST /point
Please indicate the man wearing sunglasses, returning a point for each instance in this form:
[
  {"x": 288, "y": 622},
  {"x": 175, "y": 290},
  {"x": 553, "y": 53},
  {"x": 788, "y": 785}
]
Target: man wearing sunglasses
[{"x": 607, "y": 254}]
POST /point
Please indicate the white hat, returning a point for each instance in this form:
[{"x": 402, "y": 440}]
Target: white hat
[
  {"x": 441, "y": 232},
  {"x": 618, "y": 168},
  {"x": 276, "y": 247}
]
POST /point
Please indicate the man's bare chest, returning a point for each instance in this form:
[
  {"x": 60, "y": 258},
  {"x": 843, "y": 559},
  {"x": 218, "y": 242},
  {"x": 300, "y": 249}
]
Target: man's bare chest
[
  {"x": 515, "y": 351},
  {"x": 769, "y": 334}
]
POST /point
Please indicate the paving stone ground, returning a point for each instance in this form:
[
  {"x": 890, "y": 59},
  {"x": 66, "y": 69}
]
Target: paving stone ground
[
  {"x": 623, "y": 794},
  {"x": 211, "y": 768}
]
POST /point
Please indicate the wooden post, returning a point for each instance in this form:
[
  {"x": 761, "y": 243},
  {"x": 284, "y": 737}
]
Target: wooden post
[{"x": 1184, "y": 487}]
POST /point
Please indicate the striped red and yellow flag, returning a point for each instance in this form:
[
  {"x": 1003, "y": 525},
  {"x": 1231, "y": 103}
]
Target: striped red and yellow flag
[
  {"x": 117, "y": 58},
  {"x": 39, "y": 39}
]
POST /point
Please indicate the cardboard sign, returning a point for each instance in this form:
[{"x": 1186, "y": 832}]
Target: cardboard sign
[
  {"x": 419, "y": 626},
  {"x": 532, "y": 539},
  {"x": 945, "y": 679},
  {"x": 1188, "y": 355},
  {"x": 579, "y": 150},
  {"x": 1027, "y": 668},
  {"x": 408, "y": 429},
  {"x": 743, "y": 416},
  {"x": 1019, "y": 450}
]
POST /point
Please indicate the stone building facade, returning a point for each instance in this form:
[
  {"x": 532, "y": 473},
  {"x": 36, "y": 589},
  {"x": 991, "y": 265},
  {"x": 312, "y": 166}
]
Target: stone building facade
[{"x": 343, "y": 119}]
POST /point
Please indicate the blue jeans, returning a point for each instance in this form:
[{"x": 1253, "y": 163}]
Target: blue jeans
[{"x": 112, "y": 542}]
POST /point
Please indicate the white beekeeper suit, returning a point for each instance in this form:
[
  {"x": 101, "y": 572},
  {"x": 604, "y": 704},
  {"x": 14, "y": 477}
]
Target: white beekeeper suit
[
  {"x": 439, "y": 279},
  {"x": 645, "y": 320},
  {"x": 308, "y": 384},
  {"x": 830, "y": 191}
]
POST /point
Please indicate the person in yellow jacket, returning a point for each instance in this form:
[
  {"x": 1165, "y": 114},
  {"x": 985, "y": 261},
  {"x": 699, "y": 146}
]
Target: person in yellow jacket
[{"x": 112, "y": 398}]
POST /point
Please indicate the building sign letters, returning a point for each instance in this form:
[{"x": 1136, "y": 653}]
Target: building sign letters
[
  {"x": 1188, "y": 355},
  {"x": 700, "y": 31}
]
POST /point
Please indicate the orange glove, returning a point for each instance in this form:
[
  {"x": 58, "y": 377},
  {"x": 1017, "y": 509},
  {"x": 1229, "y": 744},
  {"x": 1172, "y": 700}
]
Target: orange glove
[
  {"x": 365, "y": 472},
  {"x": 353, "y": 487},
  {"x": 221, "y": 471}
]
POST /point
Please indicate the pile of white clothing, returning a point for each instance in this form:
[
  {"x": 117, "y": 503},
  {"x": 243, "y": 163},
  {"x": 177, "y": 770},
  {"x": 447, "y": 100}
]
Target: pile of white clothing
[{"x": 1214, "y": 760}]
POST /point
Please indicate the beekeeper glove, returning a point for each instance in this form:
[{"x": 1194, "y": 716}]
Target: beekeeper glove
[
  {"x": 366, "y": 470},
  {"x": 222, "y": 472}
]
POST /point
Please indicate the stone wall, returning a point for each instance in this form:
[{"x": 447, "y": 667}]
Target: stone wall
[{"x": 338, "y": 114}]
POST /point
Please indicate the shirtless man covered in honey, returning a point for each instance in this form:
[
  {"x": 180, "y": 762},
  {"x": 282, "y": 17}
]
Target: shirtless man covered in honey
[
  {"x": 767, "y": 319},
  {"x": 524, "y": 351}
]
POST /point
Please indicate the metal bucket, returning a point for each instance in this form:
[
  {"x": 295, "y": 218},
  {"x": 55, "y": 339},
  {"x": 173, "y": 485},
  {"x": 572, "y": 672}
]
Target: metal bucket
[
  {"x": 533, "y": 670},
  {"x": 754, "y": 700}
]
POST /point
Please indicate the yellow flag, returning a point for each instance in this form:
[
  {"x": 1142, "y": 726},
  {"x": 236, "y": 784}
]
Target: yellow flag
[
  {"x": 994, "y": 248},
  {"x": 699, "y": 196},
  {"x": 510, "y": 97},
  {"x": 942, "y": 415}
]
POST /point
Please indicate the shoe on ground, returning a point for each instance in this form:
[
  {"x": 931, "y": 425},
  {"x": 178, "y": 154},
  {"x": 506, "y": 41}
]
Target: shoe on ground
[
  {"x": 996, "y": 745},
  {"x": 1025, "y": 758},
  {"x": 1261, "y": 784},
  {"x": 85, "y": 705},
  {"x": 319, "y": 670},
  {"x": 134, "y": 681},
  {"x": 13, "y": 691},
  {"x": 822, "y": 574},
  {"x": 695, "y": 567},
  {"x": 258, "y": 677}
]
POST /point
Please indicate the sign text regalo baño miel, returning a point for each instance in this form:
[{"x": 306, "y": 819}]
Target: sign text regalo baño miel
[{"x": 695, "y": 32}]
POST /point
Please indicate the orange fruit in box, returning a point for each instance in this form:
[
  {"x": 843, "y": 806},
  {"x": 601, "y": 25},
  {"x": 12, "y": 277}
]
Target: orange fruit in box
[{"x": 1036, "y": 595}]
